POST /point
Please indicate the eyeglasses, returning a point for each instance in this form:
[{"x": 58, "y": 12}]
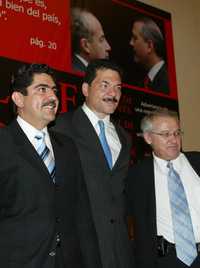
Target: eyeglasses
[
  {"x": 167, "y": 134},
  {"x": 105, "y": 85},
  {"x": 43, "y": 88}
]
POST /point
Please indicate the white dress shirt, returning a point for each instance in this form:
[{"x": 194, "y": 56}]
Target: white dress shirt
[
  {"x": 191, "y": 183},
  {"x": 155, "y": 69},
  {"x": 31, "y": 132},
  {"x": 82, "y": 60},
  {"x": 110, "y": 131}
]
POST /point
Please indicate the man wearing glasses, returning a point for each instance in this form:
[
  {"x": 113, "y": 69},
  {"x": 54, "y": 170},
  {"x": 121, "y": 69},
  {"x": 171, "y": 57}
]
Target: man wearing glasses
[{"x": 163, "y": 192}]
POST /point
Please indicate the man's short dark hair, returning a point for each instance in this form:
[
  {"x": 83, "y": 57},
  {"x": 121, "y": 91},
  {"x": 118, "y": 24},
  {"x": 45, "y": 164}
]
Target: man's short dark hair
[
  {"x": 100, "y": 64},
  {"x": 24, "y": 76},
  {"x": 151, "y": 31}
]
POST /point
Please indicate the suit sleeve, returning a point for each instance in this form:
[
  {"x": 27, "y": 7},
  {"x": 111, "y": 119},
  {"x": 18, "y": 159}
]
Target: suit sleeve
[{"x": 63, "y": 124}]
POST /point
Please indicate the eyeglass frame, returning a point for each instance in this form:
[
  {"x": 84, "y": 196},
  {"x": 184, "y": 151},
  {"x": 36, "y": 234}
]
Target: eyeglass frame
[
  {"x": 168, "y": 134},
  {"x": 105, "y": 85}
]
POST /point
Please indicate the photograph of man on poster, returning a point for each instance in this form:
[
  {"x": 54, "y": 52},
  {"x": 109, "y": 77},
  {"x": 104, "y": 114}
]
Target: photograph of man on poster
[
  {"x": 88, "y": 39},
  {"x": 147, "y": 42},
  {"x": 141, "y": 40}
]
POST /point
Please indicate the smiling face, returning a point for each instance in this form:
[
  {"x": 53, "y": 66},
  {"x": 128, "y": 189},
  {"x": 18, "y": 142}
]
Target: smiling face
[
  {"x": 40, "y": 105},
  {"x": 104, "y": 93},
  {"x": 165, "y": 147}
]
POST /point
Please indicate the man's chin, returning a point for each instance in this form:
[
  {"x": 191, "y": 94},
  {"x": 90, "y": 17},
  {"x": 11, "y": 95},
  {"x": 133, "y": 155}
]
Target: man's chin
[
  {"x": 50, "y": 110},
  {"x": 51, "y": 114},
  {"x": 174, "y": 155},
  {"x": 110, "y": 110},
  {"x": 50, "y": 119}
]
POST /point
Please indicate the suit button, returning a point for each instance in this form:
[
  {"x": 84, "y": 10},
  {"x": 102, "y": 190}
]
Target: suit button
[
  {"x": 112, "y": 221},
  {"x": 52, "y": 253},
  {"x": 57, "y": 186},
  {"x": 58, "y": 240},
  {"x": 57, "y": 219}
]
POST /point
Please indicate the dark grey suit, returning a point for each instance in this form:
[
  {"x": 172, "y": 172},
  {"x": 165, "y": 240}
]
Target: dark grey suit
[
  {"x": 141, "y": 194},
  {"x": 78, "y": 65},
  {"x": 160, "y": 82},
  {"x": 33, "y": 210},
  {"x": 105, "y": 187}
]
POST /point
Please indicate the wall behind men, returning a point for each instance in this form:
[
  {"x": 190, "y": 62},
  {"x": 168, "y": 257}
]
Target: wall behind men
[{"x": 186, "y": 36}]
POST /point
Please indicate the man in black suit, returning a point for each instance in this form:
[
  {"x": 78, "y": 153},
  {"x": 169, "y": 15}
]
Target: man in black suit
[
  {"x": 88, "y": 39},
  {"x": 148, "y": 47},
  {"x": 43, "y": 199},
  {"x": 150, "y": 196},
  {"x": 105, "y": 184}
]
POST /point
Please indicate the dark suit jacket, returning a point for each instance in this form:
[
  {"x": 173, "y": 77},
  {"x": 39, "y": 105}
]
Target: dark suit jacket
[
  {"x": 33, "y": 209},
  {"x": 105, "y": 187},
  {"x": 78, "y": 65},
  {"x": 141, "y": 195},
  {"x": 160, "y": 82}
]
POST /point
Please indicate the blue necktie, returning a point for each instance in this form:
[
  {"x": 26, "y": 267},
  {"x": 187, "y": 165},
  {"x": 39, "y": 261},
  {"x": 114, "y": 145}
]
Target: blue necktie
[
  {"x": 45, "y": 154},
  {"x": 104, "y": 143},
  {"x": 182, "y": 224}
]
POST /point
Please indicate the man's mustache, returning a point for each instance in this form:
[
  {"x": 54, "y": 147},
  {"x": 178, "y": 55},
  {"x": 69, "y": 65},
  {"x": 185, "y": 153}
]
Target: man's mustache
[
  {"x": 49, "y": 103},
  {"x": 110, "y": 99}
]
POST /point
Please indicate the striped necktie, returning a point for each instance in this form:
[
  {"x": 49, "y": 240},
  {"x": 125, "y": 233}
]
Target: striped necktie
[
  {"x": 182, "y": 224},
  {"x": 104, "y": 143},
  {"x": 45, "y": 154}
]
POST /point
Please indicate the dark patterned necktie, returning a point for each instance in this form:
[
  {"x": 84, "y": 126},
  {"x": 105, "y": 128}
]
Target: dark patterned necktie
[
  {"x": 45, "y": 154},
  {"x": 182, "y": 224},
  {"x": 147, "y": 81}
]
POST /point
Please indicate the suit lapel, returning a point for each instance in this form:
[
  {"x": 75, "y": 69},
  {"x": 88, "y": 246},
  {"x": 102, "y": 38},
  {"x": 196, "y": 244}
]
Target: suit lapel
[
  {"x": 78, "y": 65},
  {"x": 194, "y": 161},
  {"x": 123, "y": 152},
  {"x": 149, "y": 171},
  {"x": 59, "y": 159},
  {"x": 26, "y": 149},
  {"x": 86, "y": 134}
]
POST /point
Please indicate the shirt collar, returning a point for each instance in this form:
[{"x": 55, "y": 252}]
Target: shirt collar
[
  {"x": 93, "y": 117},
  {"x": 155, "y": 69},
  {"x": 162, "y": 164},
  {"x": 28, "y": 129},
  {"x": 82, "y": 60}
]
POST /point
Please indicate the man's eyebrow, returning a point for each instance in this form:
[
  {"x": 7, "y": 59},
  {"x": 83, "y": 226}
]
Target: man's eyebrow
[
  {"x": 119, "y": 84},
  {"x": 107, "y": 82},
  {"x": 44, "y": 85},
  {"x": 104, "y": 81}
]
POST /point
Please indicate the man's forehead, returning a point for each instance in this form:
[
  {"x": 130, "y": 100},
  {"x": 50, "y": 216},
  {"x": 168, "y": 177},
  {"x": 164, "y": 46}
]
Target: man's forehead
[
  {"x": 42, "y": 80},
  {"x": 107, "y": 72},
  {"x": 138, "y": 24},
  {"x": 165, "y": 120},
  {"x": 38, "y": 77}
]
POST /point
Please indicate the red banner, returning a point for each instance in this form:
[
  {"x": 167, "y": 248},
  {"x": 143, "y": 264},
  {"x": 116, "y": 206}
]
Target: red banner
[{"x": 36, "y": 31}]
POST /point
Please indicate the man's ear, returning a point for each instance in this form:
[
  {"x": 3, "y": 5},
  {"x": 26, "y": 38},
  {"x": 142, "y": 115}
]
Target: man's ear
[
  {"x": 18, "y": 99},
  {"x": 147, "y": 137},
  {"x": 85, "y": 45},
  {"x": 85, "y": 88},
  {"x": 150, "y": 45}
]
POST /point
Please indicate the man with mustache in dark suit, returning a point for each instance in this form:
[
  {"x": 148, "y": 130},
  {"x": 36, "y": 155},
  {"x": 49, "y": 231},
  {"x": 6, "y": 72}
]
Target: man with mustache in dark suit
[
  {"x": 43, "y": 201},
  {"x": 103, "y": 175}
]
